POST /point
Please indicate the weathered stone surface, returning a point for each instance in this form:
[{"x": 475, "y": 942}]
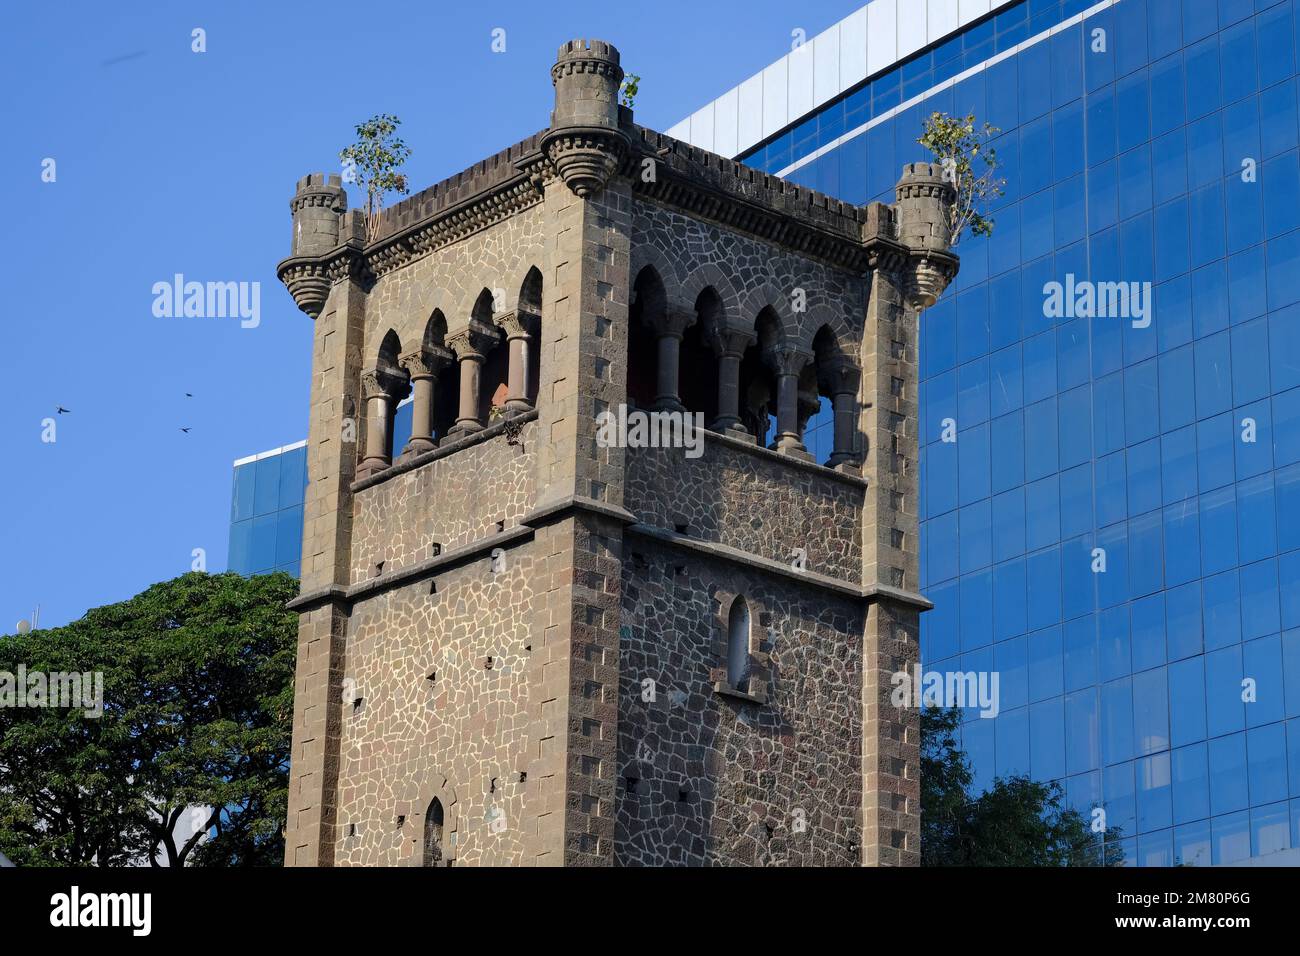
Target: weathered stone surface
[{"x": 513, "y": 646}]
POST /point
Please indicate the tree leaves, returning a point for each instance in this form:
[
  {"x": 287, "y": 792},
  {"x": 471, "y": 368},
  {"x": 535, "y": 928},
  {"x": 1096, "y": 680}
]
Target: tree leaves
[
  {"x": 1016, "y": 822},
  {"x": 375, "y": 160},
  {"x": 198, "y": 712},
  {"x": 960, "y": 148}
]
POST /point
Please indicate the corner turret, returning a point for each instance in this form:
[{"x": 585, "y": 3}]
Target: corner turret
[
  {"x": 586, "y": 143},
  {"x": 320, "y": 221},
  {"x": 924, "y": 217}
]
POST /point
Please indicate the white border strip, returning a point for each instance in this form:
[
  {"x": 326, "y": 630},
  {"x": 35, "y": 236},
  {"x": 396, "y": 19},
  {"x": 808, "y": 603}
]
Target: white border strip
[
  {"x": 269, "y": 454},
  {"x": 950, "y": 82}
]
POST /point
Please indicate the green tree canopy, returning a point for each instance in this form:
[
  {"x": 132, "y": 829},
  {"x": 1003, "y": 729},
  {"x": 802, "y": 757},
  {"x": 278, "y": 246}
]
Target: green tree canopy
[
  {"x": 197, "y": 713},
  {"x": 970, "y": 164},
  {"x": 374, "y": 164},
  {"x": 1016, "y": 822}
]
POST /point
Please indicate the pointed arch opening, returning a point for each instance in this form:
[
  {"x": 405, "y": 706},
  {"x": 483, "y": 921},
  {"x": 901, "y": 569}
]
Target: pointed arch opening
[
  {"x": 433, "y": 830},
  {"x": 816, "y": 396},
  {"x": 446, "y": 388},
  {"x": 699, "y": 364},
  {"x": 738, "y": 626},
  {"x": 398, "y": 382},
  {"x": 758, "y": 382},
  {"x": 530, "y": 310},
  {"x": 649, "y": 306},
  {"x": 493, "y": 385}
]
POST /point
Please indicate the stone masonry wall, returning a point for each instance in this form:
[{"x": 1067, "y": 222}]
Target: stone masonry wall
[
  {"x": 438, "y": 718},
  {"x": 688, "y": 253},
  {"x": 746, "y": 500},
  {"x": 453, "y": 501},
  {"x": 721, "y": 781}
]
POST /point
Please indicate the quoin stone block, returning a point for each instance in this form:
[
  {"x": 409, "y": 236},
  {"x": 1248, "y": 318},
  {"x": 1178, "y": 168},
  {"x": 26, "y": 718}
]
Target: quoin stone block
[{"x": 524, "y": 645}]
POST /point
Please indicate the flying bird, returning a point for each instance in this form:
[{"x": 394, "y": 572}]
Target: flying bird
[
  {"x": 189, "y": 395},
  {"x": 59, "y": 409},
  {"x": 185, "y": 430}
]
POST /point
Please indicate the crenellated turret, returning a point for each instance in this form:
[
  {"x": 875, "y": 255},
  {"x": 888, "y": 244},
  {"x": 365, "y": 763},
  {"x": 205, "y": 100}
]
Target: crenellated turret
[
  {"x": 586, "y": 142},
  {"x": 317, "y": 205},
  {"x": 924, "y": 217},
  {"x": 320, "y": 221}
]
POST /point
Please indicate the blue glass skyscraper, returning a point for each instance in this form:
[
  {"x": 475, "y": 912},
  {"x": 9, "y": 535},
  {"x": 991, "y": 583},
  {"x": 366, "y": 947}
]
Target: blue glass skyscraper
[
  {"x": 266, "y": 505},
  {"x": 1142, "y": 141},
  {"x": 266, "y": 511}
]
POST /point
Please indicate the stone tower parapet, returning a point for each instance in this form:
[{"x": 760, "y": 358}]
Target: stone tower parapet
[{"x": 526, "y": 642}]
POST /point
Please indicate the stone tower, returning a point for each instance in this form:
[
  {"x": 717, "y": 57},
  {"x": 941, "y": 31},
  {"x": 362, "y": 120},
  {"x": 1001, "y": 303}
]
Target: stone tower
[{"x": 526, "y": 642}]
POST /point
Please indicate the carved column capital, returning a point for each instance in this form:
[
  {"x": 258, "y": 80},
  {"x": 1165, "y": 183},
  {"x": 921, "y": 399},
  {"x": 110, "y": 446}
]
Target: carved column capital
[
  {"x": 473, "y": 342},
  {"x": 674, "y": 322},
  {"x": 426, "y": 362},
  {"x": 840, "y": 376},
  {"x": 730, "y": 343},
  {"x": 383, "y": 383},
  {"x": 786, "y": 359},
  {"x": 518, "y": 323}
]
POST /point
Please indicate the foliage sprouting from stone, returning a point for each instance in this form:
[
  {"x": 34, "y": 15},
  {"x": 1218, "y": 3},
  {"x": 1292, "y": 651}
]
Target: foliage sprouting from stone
[
  {"x": 970, "y": 165},
  {"x": 377, "y": 156},
  {"x": 631, "y": 86}
]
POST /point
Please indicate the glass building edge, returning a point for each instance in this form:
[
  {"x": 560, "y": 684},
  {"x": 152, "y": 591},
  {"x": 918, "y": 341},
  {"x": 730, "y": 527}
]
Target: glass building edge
[
  {"x": 877, "y": 39},
  {"x": 266, "y": 511},
  {"x": 1168, "y": 693},
  {"x": 266, "y": 508}
]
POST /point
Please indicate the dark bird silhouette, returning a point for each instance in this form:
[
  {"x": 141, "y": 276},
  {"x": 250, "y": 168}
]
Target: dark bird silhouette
[
  {"x": 185, "y": 430},
  {"x": 122, "y": 59},
  {"x": 59, "y": 409},
  {"x": 189, "y": 395}
]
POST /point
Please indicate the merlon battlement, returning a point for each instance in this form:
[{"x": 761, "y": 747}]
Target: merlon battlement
[{"x": 482, "y": 177}]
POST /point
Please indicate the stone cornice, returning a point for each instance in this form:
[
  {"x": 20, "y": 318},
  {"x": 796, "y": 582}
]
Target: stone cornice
[
  {"x": 701, "y": 184},
  {"x": 722, "y": 552},
  {"x": 345, "y": 597},
  {"x": 712, "y": 187},
  {"x": 552, "y": 511}
]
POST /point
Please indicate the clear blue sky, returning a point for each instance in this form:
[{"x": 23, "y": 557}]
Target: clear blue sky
[{"x": 171, "y": 161}]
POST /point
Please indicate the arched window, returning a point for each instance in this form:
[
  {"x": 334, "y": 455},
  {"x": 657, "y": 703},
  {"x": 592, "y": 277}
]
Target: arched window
[
  {"x": 738, "y": 644},
  {"x": 648, "y": 307},
  {"x": 699, "y": 363},
  {"x": 433, "y": 834},
  {"x": 758, "y": 389},
  {"x": 390, "y": 349},
  {"x": 446, "y": 388},
  {"x": 492, "y": 384},
  {"x": 530, "y": 302},
  {"x": 815, "y": 395}
]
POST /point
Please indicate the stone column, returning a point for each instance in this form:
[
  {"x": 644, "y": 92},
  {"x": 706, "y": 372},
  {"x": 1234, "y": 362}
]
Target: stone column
[
  {"x": 381, "y": 389},
  {"x": 669, "y": 331},
  {"x": 786, "y": 363},
  {"x": 810, "y": 403},
  {"x": 519, "y": 326},
  {"x": 843, "y": 379},
  {"x": 424, "y": 366},
  {"x": 471, "y": 347},
  {"x": 730, "y": 347}
]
